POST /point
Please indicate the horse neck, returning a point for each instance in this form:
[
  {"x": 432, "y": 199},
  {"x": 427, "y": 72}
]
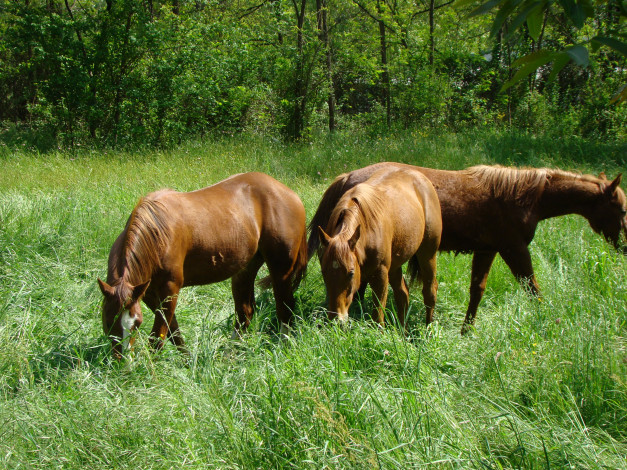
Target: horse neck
[
  {"x": 567, "y": 194},
  {"x": 123, "y": 267},
  {"x": 350, "y": 220},
  {"x": 118, "y": 267}
]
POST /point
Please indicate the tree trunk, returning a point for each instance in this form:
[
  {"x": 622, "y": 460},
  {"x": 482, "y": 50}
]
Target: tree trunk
[
  {"x": 298, "y": 116},
  {"x": 385, "y": 75},
  {"x": 123, "y": 69},
  {"x": 323, "y": 27},
  {"x": 431, "y": 31}
]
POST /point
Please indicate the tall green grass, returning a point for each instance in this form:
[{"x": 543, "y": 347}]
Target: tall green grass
[{"x": 537, "y": 385}]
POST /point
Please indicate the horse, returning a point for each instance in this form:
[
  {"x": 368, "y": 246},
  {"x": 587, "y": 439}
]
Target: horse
[
  {"x": 375, "y": 227},
  {"x": 178, "y": 239},
  {"x": 490, "y": 210}
]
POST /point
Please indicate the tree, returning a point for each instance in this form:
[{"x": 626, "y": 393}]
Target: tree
[{"x": 531, "y": 16}]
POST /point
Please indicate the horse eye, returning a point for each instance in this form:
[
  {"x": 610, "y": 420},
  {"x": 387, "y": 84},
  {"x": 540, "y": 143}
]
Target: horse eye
[{"x": 351, "y": 273}]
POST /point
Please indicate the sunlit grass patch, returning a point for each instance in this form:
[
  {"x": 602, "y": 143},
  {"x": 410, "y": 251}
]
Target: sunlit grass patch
[{"x": 537, "y": 384}]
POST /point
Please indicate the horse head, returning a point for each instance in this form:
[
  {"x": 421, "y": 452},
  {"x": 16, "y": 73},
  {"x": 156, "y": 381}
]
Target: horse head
[
  {"x": 121, "y": 312},
  {"x": 341, "y": 271},
  {"x": 608, "y": 217}
]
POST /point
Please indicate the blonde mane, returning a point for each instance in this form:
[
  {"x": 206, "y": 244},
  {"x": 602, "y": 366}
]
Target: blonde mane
[
  {"x": 147, "y": 235},
  {"x": 363, "y": 202},
  {"x": 524, "y": 185}
]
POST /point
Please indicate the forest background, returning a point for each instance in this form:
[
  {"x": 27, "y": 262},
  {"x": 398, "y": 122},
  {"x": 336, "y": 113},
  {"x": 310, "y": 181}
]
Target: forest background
[{"x": 120, "y": 73}]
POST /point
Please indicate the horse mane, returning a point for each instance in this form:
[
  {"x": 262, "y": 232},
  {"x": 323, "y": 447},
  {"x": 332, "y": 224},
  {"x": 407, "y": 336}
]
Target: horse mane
[
  {"x": 363, "y": 202},
  {"x": 148, "y": 233},
  {"x": 328, "y": 202},
  {"x": 523, "y": 185}
]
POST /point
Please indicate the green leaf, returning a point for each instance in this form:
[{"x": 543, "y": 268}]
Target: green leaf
[
  {"x": 579, "y": 54},
  {"x": 560, "y": 61},
  {"x": 531, "y": 63},
  {"x": 534, "y": 22},
  {"x": 522, "y": 16},
  {"x": 574, "y": 11},
  {"x": 537, "y": 56},
  {"x": 485, "y": 8},
  {"x": 503, "y": 14},
  {"x": 615, "y": 44},
  {"x": 463, "y": 3}
]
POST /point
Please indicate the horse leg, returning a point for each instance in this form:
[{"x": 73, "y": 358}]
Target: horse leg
[
  {"x": 379, "y": 285},
  {"x": 401, "y": 295},
  {"x": 243, "y": 290},
  {"x": 284, "y": 299},
  {"x": 519, "y": 263},
  {"x": 428, "y": 270},
  {"x": 359, "y": 299},
  {"x": 481, "y": 264},
  {"x": 175, "y": 336},
  {"x": 361, "y": 292},
  {"x": 165, "y": 325},
  {"x": 282, "y": 258}
]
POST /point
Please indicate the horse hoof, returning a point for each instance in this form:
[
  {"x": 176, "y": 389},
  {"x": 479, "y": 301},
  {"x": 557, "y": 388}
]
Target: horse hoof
[{"x": 467, "y": 328}]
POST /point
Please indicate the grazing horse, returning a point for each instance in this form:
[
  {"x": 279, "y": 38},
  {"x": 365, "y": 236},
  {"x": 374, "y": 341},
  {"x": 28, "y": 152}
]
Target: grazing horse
[
  {"x": 492, "y": 209},
  {"x": 227, "y": 230},
  {"x": 375, "y": 227}
]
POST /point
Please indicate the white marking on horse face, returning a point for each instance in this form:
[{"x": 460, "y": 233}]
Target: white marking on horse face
[
  {"x": 335, "y": 265},
  {"x": 128, "y": 323}
]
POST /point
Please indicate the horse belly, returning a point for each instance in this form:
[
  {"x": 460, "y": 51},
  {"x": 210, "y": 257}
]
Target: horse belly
[
  {"x": 207, "y": 268},
  {"x": 217, "y": 262},
  {"x": 404, "y": 247},
  {"x": 408, "y": 227}
]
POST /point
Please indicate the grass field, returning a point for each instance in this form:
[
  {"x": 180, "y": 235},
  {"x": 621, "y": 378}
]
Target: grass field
[{"x": 538, "y": 385}]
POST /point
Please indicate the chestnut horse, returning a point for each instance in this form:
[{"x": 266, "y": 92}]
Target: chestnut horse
[
  {"x": 375, "y": 227},
  {"x": 491, "y": 209},
  {"x": 228, "y": 230}
]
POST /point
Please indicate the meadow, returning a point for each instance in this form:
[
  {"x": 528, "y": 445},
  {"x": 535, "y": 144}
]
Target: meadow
[{"x": 538, "y": 384}]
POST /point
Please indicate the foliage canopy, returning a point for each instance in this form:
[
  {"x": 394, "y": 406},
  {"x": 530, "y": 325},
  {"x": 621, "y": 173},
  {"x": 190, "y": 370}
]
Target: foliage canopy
[{"x": 157, "y": 72}]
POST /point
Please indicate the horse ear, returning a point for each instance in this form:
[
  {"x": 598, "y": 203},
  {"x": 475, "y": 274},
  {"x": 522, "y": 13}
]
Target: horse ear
[
  {"x": 106, "y": 289},
  {"x": 352, "y": 242},
  {"x": 139, "y": 290},
  {"x": 611, "y": 189},
  {"x": 602, "y": 176},
  {"x": 324, "y": 238}
]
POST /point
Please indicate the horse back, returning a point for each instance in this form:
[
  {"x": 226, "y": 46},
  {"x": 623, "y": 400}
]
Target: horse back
[
  {"x": 474, "y": 217},
  {"x": 251, "y": 200},
  {"x": 218, "y": 229}
]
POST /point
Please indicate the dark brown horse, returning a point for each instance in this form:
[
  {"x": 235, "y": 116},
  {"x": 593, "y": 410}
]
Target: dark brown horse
[
  {"x": 491, "y": 209},
  {"x": 374, "y": 228},
  {"x": 227, "y": 230}
]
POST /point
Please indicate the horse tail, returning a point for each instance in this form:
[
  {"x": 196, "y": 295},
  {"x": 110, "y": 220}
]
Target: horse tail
[
  {"x": 265, "y": 282},
  {"x": 299, "y": 269},
  {"x": 328, "y": 202},
  {"x": 413, "y": 270}
]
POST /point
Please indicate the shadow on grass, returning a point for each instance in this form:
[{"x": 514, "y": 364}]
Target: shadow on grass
[{"x": 519, "y": 149}]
